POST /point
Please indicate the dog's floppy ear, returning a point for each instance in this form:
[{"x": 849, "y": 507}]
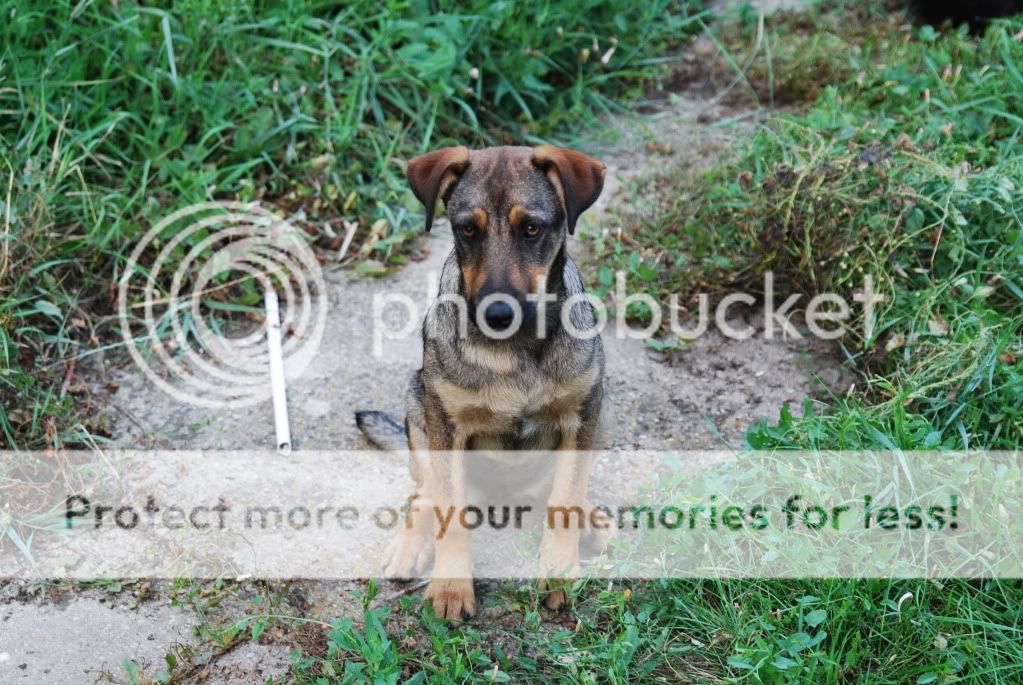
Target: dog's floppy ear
[
  {"x": 432, "y": 174},
  {"x": 581, "y": 177}
]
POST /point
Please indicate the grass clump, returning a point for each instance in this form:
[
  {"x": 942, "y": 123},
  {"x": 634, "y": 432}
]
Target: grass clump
[
  {"x": 698, "y": 631},
  {"x": 786, "y": 59},
  {"x": 112, "y": 115},
  {"x": 908, "y": 173}
]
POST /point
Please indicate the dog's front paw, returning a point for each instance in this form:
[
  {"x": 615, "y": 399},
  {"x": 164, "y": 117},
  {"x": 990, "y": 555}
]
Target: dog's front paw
[
  {"x": 555, "y": 591},
  {"x": 408, "y": 555},
  {"x": 452, "y": 598},
  {"x": 558, "y": 564},
  {"x": 555, "y": 588}
]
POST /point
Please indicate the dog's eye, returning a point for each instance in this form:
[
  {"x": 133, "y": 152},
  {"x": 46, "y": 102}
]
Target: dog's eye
[
  {"x": 533, "y": 230},
  {"x": 468, "y": 230}
]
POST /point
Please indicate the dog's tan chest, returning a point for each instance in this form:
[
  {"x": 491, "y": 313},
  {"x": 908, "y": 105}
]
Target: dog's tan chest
[{"x": 515, "y": 403}]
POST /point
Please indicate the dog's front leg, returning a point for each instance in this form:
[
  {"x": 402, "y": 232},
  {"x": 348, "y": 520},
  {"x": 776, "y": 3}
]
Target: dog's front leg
[
  {"x": 411, "y": 550},
  {"x": 567, "y": 515},
  {"x": 450, "y": 590}
]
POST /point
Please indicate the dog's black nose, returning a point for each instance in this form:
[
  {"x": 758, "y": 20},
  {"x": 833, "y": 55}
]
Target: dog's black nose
[{"x": 499, "y": 315}]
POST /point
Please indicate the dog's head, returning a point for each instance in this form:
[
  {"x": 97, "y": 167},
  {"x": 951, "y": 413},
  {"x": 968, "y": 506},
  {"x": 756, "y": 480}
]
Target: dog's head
[{"x": 510, "y": 209}]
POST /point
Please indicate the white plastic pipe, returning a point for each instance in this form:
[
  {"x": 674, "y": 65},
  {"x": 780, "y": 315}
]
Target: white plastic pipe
[{"x": 277, "y": 389}]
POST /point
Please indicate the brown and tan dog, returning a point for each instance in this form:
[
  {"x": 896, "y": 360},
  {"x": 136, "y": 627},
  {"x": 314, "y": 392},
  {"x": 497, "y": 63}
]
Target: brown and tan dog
[{"x": 536, "y": 388}]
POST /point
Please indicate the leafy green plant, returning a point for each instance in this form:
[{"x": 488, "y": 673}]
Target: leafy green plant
[{"x": 371, "y": 655}]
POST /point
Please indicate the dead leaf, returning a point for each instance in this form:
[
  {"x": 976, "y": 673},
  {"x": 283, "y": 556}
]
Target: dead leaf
[
  {"x": 895, "y": 342},
  {"x": 938, "y": 326},
  {"x": 658, "y": 148},
  {"x": 904, "y": 142}
]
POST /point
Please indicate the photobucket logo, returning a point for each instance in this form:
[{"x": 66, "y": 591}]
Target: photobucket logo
[
  {"x": 827, "y": 316},
  {"x": 215, "y": 252}
]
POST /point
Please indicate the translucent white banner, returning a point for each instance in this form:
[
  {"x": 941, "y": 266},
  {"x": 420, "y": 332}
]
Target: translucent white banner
[{"x": 352, "y": 514}]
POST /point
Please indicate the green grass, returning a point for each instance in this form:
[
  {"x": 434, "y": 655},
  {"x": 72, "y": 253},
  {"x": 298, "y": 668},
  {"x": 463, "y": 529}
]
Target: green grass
[
  {"x": 114, "y": 114},
  {"x": 701, "y": 631},
  {"x": 696, "y": 631},
  {"x": 910, "y": 173}
]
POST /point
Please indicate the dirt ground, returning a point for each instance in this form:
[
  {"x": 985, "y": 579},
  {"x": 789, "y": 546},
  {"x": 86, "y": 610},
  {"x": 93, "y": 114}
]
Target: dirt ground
[{"x": 703, "y": 399}]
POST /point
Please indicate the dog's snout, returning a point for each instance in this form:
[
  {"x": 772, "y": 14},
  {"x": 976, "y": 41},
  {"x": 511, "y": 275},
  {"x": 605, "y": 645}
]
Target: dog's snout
[{"x": 499, "y": 315}]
